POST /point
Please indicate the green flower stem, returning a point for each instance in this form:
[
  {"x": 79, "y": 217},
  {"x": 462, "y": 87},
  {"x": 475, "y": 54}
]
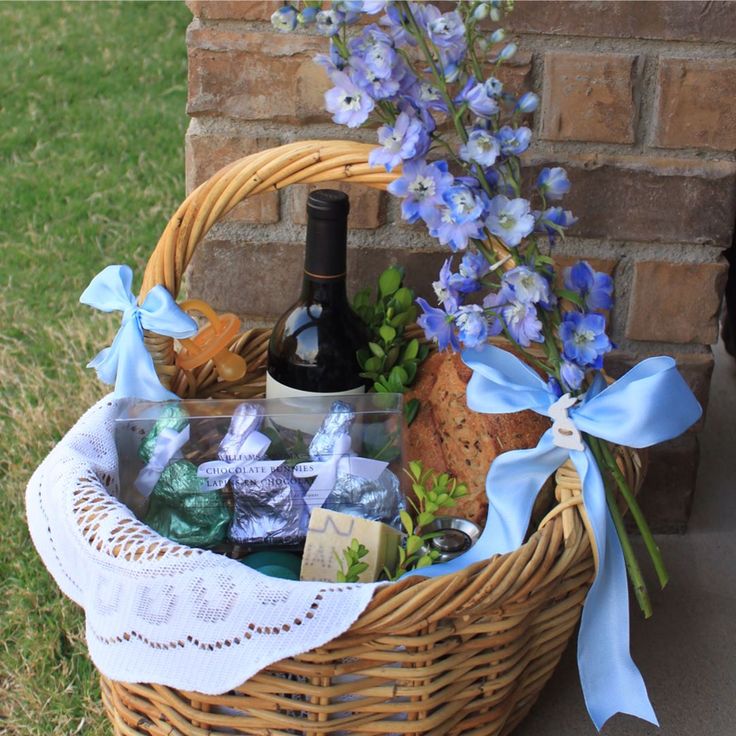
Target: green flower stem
[
  {"x": 632, "y": 565},
  {"x": 646, "y": 533}
]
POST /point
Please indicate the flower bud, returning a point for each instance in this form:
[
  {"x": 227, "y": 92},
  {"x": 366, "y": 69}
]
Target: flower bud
[
  {"x": 528, "y": 102},
  {"x": 284, "y": 18},
  {"x": 507, "y": 52},
  {"x": 481, "y": 11},
  {"x": 498, "y": 35}
]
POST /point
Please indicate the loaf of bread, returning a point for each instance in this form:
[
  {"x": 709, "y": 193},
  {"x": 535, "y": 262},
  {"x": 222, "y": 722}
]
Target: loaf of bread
[{"x": 448, "y": 437}]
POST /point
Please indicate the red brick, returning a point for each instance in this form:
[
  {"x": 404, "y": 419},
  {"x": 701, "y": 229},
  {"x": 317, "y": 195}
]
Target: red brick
[
  {"x": 696, "y": 369},
  {"x": 695, "y": 105},
  {"x": 676, "y": 302},
  {"x": 676, "y": 21},
  {"x": 255, "y": 76},
  {"x": 208, "y": 153},
  {"x": 367, "y": 206},
  {"x": 666, "y": 496},
  {"x": 589, "y": 97},
  {"x": 650, "y": 199},
  {"x": 233, "y": 9},
  {"x": 229, "y": 275}
]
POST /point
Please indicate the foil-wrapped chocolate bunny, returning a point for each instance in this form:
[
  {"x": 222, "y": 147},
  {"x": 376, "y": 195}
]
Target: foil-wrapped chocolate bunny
[
  {"x": 269, "y": 500},
  {"x": 180, "y": 506},
  {"x": 342, "y": 480}
]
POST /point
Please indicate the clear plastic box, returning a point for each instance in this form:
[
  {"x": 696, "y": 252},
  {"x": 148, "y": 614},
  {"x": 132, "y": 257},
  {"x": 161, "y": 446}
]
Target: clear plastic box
[{"x": 242, "y": 476}]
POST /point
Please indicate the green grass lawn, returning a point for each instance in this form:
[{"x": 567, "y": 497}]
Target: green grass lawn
[{"x": 92, "y": 120}]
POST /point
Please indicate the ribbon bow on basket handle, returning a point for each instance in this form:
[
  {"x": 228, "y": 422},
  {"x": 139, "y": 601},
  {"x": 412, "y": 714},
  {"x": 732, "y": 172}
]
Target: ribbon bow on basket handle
[
  {"x": 127, "y": 363},
  {"x": 649, "y": 404}
]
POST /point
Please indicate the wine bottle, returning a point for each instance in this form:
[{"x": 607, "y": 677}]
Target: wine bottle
[{"x": 313, "y": 344}]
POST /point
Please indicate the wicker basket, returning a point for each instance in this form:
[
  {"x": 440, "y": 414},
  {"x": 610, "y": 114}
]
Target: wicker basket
[{"x": 464, "y": 653}]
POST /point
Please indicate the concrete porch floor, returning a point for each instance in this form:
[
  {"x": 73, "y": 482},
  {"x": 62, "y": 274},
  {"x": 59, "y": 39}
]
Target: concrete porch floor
[{"x": 687, "y": 650}]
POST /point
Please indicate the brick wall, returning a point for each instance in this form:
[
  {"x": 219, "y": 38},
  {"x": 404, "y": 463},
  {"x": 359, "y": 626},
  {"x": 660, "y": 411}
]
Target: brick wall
[{"x": 637, "y": 105}]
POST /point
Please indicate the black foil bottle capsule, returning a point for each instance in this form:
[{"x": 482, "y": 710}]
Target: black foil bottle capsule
[{"x": 313, "y": 344}]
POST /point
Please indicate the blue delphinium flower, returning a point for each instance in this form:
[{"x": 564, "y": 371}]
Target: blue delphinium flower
[
  {"x": 375, "y": 49},
  {"x": 482, "y": 98},
  {"x": 438, "y": 325},
  {"x": 553, "y": 221},
  {"x": 444, "y": 29},
  {"x": 510, "y": 219},
  {"x": 594, "y": 287},
  {"x": 528, "y": 102},
  {"x": 329, "y": 22},
  {"x": 554, "y": 386},
  {"x": 529, "y": 286},
  {"x": 284, "y": 18},
  {"x": 472, "y": 326},
  {"x": 460, "y": 218},
  {"x": 481, "y": 148},
  {"x": 373, "y": 7},
  {"x": 520, "y": 318},
  {"x": 421, "y": 188},
  {"x": 444, "y": 288},
  {"x": 514, "y": 141},
  {"x": 553, "y": 183},
  {"x": 308, "y": 15},
  {"x": 584, "y": 339},
  {"x": 348, "y": 104},
  {"x": 473, "y": 267},
  {"x": 572, "y": 375},
  {"x": 406, "y": 139}
]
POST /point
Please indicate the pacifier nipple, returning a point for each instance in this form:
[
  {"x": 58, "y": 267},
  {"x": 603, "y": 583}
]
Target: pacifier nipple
[{"x": 211, "y": 343}]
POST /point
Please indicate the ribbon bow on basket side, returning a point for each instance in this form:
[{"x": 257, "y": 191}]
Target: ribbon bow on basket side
[
  {"x": 127, "y": 363},
  {"x": 649, "y": 404}
]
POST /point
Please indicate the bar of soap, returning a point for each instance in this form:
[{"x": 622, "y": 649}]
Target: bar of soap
[{"x": 330, "y": 532}]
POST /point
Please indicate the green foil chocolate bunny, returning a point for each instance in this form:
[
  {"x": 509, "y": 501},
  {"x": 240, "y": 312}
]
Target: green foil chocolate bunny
[{"x": 179, "y": 507}]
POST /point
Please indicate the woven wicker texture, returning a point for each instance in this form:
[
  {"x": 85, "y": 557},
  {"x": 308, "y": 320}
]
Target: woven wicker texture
[{"x": 465, "y": 653}]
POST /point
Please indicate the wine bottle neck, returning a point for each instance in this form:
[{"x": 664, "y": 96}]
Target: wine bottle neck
[
  {"x": 325, "y": 255},
  {"x": 324, "y": 291}
]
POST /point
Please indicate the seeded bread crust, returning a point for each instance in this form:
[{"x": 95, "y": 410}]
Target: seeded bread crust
[{"x": 447, "y": 436}]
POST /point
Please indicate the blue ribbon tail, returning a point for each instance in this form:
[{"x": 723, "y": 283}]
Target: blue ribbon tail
[
  {"x": 136, "y": 375},
  {"x": 610, "y": 680}
]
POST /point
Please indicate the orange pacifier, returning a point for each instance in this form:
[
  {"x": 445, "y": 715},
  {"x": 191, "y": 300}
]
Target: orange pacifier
[{"x": 211, "y": 343}]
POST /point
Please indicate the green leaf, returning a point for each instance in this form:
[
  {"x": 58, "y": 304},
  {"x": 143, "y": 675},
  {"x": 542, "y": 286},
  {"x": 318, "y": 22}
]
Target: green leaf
[
  {"x": 362, "y": 299},
  {"x": 413, "y": 544},
  {"x": 401, "y": 319},
  {"x": 387, "y": 333},
  {"x": 411, "y": 350},
  {"x": 399, "y": 375},
  {"x": 373, "y": 364},
  {"x": 411, "y": 409},
  {"x": 415, "y": 468},
  {"x": 411, "y": 372},
  {"x": 424, "y": 561},
  {"x": 425, "y": 518},
  {"x": 571, "y": 296},
  {"x": 392, "y": 356},
  {"x": 404, "y": 298},
  {"x": 389, "y": 281},
  {"x": 377, "y": 350},
  {"x": 407, "y": 521}
]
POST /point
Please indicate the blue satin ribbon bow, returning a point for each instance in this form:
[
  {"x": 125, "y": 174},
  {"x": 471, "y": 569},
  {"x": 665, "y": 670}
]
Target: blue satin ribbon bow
[
  {"x": 649, "y": 404},
  {"x": 127, "y": 363}
]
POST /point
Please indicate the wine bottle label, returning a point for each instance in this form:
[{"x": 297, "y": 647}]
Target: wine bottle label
[
  {"x": 277, "y": 390},
  {"x": 301, "y": 422}
]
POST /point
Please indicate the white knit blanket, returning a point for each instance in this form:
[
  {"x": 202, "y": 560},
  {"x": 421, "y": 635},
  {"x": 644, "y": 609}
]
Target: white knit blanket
[{"x": 157, "y": 611}]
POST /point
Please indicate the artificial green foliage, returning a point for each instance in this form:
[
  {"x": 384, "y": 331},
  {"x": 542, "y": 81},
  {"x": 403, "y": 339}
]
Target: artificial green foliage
[
  {"x": 350, "y": 563},
  {"x": 390, "y": 360}
]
